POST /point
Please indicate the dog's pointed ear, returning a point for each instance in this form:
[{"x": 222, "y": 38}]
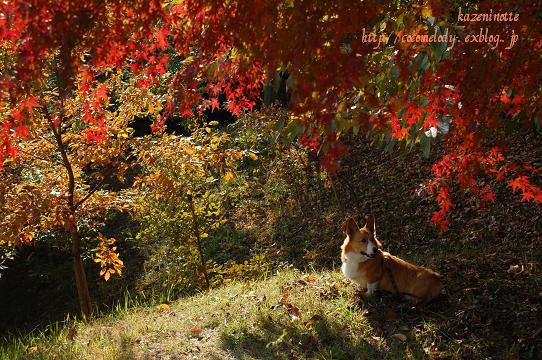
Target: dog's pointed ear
[
  {"x": 370, "y": 224},
  {"x": 350, "y": 227}
]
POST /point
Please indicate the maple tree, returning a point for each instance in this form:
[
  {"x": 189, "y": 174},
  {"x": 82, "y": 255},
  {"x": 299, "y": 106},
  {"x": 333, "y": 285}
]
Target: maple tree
[
  {"x": 57, "y": 180},
  {"x": 57, "y": 185},
  {"x": 339, "y": 82},
  {"x": 191, "y": 52}
]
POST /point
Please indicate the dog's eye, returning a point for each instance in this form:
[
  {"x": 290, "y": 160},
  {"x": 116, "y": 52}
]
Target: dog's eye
[{"x": 364, "y": 240}]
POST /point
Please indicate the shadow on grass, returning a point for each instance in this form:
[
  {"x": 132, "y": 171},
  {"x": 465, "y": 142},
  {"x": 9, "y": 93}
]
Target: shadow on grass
[
  {"x": 474, "y": 319},
  {"x": 326, "y": 338},
  {"x": 126, "y": 350},
  {"x": 268, "y": 339}
]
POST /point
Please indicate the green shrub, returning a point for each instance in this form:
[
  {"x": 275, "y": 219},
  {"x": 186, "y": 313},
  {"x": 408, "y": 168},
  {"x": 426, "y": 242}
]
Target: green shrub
[
  {"x": 236, "y": 199},
  {"x": 177, "y": 204},
  {"x": 257, "y": 267}
]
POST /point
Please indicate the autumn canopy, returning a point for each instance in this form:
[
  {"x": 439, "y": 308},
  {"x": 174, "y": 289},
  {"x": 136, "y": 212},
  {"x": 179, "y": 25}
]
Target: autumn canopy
[{"x": 200, "y": 54}]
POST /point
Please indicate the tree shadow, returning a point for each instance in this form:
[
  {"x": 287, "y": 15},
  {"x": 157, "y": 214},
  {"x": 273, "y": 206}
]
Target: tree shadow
[
  {"x": 126, "y": 350},
  {"x": 269, "y": 339},
  {"x": 327, "y": 338}
]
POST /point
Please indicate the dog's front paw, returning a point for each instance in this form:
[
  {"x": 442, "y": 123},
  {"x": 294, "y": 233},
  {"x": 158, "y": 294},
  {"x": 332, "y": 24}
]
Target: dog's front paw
[
  {"x": 371, "y": 301},
  {"x": 371, "y": 288},
  {"x": 360, "y": 295}
]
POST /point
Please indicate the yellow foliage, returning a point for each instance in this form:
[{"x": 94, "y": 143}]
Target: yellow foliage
[
  {"x": 107, "y": 257},
  {"x": 229, "y": 175}
]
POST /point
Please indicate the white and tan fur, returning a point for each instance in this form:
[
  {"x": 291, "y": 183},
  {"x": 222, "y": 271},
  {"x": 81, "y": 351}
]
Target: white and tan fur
[{"x": 364, "y": 262}]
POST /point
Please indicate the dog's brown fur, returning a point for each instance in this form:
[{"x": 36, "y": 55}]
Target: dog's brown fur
[{"x": 381, "y": 270}]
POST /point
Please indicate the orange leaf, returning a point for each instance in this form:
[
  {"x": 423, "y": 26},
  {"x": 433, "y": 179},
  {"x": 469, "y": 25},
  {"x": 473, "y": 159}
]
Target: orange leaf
[
  {"x": 293, "y": 311},
  {"x": 229, "y": 175},
  {"x": 71, "y": 334},
  {"x": 196, "y": 330}
]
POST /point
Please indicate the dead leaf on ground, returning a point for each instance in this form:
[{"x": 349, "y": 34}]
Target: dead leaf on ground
[
  {"x": 196, "y": 330},
  {"x": 163, "y": 307},
  {"x": 400, "y": 337},
  {"x": 308, "y": 324},
  {"x": 310, "y": 278},
  {"x": 293, "y": 312},
  {"x": 310, "y": 344},
  {"x": 516, "y": 269},
  {"x": 71, "y": 334},
  {"x": 284, "y": 299}
]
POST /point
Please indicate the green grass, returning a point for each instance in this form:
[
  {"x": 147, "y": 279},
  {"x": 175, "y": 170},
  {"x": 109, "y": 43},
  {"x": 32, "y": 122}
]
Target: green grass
[
  {"x": 289, "y": 315},
  {"x": 315, "y": 315}
]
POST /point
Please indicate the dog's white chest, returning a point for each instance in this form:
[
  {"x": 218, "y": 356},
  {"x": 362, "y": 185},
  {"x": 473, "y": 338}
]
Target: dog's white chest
[{"x": 350, "y": 268}]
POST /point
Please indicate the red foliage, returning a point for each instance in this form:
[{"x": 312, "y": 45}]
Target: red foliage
[{"x": 229, "y": 47}]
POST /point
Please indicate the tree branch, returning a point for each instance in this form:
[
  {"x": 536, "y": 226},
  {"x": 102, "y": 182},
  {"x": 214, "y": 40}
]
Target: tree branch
[
  {"x": 39, "y": 157},
  {"x": 61, "y": 148},
  {"x": 91, "y": 191}
]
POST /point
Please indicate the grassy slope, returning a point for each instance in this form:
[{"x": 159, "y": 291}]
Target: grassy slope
[{"x": 290, "y": 315}]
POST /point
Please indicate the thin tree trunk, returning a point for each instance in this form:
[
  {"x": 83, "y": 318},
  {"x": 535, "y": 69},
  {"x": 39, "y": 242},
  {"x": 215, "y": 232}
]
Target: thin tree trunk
[
  {"x": 78, "y": 268},
  {"x": 198, "y": 240}
]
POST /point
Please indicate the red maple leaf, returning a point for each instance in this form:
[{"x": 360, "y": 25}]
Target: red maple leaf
[
  {"x": 519, "y": 183},
  {"x": 214, "y": 104}
]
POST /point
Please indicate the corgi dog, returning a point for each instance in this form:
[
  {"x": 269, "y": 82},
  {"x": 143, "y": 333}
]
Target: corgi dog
[{"x": 364, "y": 262}]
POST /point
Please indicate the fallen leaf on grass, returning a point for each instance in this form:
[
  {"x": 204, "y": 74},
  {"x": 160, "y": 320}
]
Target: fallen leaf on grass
[
  {"x": 293, "y": 312},
  {"x": 32, "y": 349},
  {"x": 310, "y": 323},
  {"x": 310, "y": 278},
  {"x": 71, "y": 334},
  {"x": 329, "y": 291},
  {"x": 516, "y": 269},
  {"x": 163, "y": 307},
  {"x": 196, "y": 330},
  {"x": 400, "y": 337},
  {"x": 284, "y": 299}
]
